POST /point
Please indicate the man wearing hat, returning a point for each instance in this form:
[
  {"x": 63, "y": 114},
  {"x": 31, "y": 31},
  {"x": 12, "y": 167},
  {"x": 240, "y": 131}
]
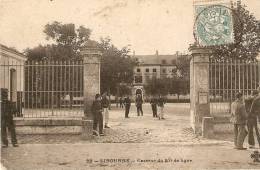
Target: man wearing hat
[
  {"x": 238, "y": 118},
  {"x": 97, "y": 110},
  {"x": 7, "y": 111}
]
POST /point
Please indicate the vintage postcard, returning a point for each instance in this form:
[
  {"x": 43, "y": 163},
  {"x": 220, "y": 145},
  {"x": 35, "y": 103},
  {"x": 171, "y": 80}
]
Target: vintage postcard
[{"x": 130, "y": 84}]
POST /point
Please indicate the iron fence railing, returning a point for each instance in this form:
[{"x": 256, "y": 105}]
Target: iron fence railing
[
  {"x": 227, "y": 77},
  {"x": 45, "y": 88}
]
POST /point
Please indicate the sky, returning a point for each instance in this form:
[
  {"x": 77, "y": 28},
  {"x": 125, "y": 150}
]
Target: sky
[{"x": 144, "y": 25}]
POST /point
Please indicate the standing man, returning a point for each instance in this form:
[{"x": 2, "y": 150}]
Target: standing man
[
  {"x": 127, "y": 103},
  {"x": 105, "y": 104},
  {"x": 254, "y": 113},
  {"x": 97, "y": 109},
  {"x": 121, "y": 102},
  {"x": 139, "y": 104},
  {"x": 7, "y": 111},
  {"x": 238, "y": 118},
  {"x": 161, "y": 103},
  {"x": 116, "y": 99},
  {"x": 252, "y": 121},
  {"x": 153, "y": 103}
]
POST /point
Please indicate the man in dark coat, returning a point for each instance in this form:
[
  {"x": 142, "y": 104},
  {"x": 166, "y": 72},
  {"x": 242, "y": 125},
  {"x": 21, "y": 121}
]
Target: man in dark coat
[
  {"x": 238, "y": 118},
  {"x": 7, "y": 111},
  {"x": 252, "y": 121},
  {"x": 153, "y": 103},
  {"x": 139, "y": 104},
  {"x": 97, "y": 110},
  {"x": 127, "y": 103},
  {"x": 255, "y": 108}
]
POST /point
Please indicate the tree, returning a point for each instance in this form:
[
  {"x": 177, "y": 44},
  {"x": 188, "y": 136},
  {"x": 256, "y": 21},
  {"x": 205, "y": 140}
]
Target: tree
[
  {"x": 183, "y": 66},
  {"x": 68, "y": 39},
  {"x": 116, "y": 66},
  {"x": 156, "y": 86},
  {"x": 179, "y": 86},
  {"x": 124, "y": 89},
  {"x": 246, "y": 36}
]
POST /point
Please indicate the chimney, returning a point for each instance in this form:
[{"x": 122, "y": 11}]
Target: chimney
[
  {"x": 157, "y": 53},
  {"x": 134, "y": 53}
]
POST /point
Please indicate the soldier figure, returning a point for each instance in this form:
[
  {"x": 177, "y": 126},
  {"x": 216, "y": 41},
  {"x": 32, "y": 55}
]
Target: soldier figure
[
  {"x": 97, "y": 110},
  {"x": 238, "y": 118},
  {"x": 139, "y": 103},
  {"x": 7, "y": 111},
  {"x": 127, "y": 103},
  {"x": 252, "y": 121},
  {"x": 161, "y": 103},
  {"x": 153, "y": 103}
]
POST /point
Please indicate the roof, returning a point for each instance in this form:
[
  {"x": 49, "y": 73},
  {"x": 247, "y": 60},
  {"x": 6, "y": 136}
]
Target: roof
[
  {"x": 12, "y": 50},
  {"x": 157, "y": 59}
]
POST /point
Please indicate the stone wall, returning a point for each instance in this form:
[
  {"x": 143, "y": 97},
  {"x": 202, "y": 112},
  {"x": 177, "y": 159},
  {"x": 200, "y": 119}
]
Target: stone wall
[{"x": 48, "y": 125}]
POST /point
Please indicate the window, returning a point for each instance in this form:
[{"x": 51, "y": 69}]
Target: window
[
  {"x": 138, "y": 79},
  {"x": 138, "y": 70},
  {"x": 163, "y": 61},
  {"x": 164, "y": 70},
  {"x": 154, "y": 70},
  {"x": 173, "y": 61},
  {"x": 147, "y": 70}
]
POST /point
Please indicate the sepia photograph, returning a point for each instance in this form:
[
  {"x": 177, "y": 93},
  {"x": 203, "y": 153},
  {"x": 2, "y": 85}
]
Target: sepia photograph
[{"x": 129, "y": 84}]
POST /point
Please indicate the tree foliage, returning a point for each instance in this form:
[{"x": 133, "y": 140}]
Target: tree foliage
[
  {"x": 65, "y": 43},
  {"x": 124, "y": 89},
  {"x": 183, "y": 66},
  {"x": 164, "y": 86},
  {"x": 246, "y": 36},
  {"x": 116, "y": 66}
]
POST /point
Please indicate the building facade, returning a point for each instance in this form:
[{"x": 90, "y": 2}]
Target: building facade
[
  {"x": 154, "y": 66},
  {"x": 12, "y": 72}
]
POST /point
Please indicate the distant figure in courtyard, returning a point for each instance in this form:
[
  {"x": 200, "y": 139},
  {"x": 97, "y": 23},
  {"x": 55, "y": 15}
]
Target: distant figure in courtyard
[
  {"x": 127, "y": 103},
  {"x": 139, "y": 105},
  {"x": 105, "y": 104},
  {"x": 97, "y": 110},
  {"x": 238, "y": 118},
  {"x": 153, "y": 103},
  {"x": 252, "y": 121},
  {"x": 121, "y": 102},
  {"x": 7, "y": 111},
  {"x": 116, "y": 100},
  {"x": 161, "y": 103}
]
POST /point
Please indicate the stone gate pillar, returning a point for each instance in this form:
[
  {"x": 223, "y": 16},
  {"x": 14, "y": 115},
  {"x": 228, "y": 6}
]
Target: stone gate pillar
[
  {"x": 199, "y": 86},
  {"x": 91, "y": 79}
]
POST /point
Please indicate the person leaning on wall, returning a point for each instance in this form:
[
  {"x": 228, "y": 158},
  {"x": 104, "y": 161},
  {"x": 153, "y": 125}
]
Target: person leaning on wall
[
  {"x": 97, "y": 110},
  {"x": 7, "y": 111}
]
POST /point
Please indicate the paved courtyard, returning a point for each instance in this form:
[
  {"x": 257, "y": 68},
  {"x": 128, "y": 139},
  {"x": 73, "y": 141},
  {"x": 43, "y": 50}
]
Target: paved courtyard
[
  {"x": 140, "y": 140},
  {"x": 143, "y": 129}
]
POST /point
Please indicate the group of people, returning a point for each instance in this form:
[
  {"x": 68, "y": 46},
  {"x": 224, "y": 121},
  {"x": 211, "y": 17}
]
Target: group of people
[
  {"x": 244, "y": 115},
  {"x": 160, "y": 102},
  {"x": 126, "y": 102},
  {"x": 100, "y": 110}
]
